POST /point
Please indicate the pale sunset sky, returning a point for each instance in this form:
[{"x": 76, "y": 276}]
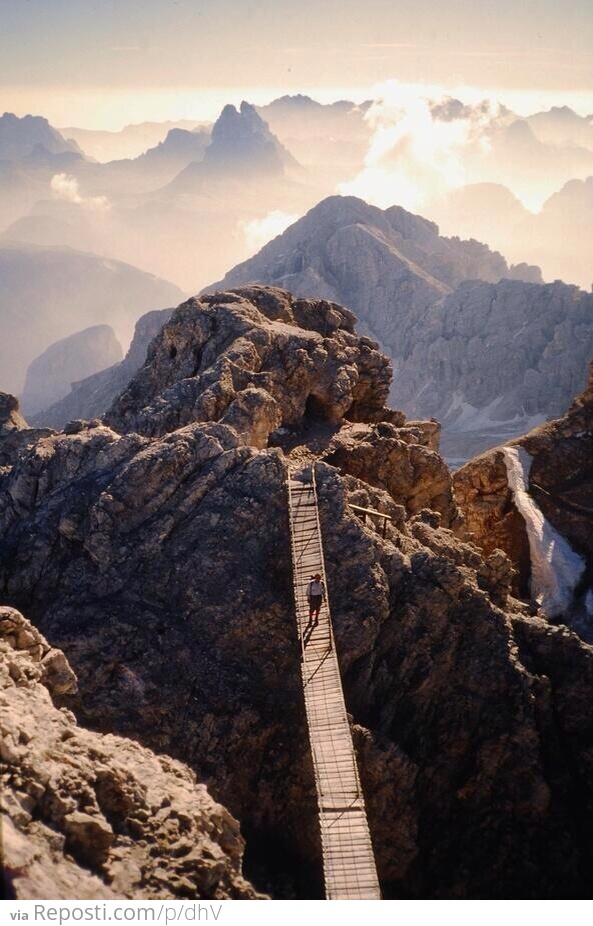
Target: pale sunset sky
[{"x": 105, "y": 63}]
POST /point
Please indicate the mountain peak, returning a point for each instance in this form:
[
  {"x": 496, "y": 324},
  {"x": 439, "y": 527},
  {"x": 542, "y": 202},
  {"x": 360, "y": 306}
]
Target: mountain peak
[
  {"x": 242, "y": 139},
  {"x": 19, "y": 137}
]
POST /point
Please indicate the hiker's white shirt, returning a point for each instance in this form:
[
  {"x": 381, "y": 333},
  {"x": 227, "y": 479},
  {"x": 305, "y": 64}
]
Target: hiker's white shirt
[{"x": 315, "y": 589}]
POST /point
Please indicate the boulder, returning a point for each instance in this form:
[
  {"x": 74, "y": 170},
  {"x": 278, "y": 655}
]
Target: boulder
[{"x": 86, "y": 816}]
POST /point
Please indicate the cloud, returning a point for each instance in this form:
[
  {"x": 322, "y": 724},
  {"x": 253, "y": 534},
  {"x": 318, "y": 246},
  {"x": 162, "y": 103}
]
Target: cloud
[
  {"x": 258, "y": 232},
  {"x": 421, "y": 148},
  {"x": 65, "y": 187}
]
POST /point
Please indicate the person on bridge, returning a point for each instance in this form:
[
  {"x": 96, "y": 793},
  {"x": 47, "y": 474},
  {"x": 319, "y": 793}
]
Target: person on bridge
[{"x": 315, "y": 596}]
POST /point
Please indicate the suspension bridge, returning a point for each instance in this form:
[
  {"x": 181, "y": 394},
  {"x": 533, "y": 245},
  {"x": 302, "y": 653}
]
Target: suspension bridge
[{"x": 349, "y": 866}]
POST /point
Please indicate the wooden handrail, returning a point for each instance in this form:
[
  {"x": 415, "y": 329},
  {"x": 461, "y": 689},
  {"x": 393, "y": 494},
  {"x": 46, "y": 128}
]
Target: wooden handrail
[
  {"x": 374, "y": 514},
  {"x": 379, "y": 514}
]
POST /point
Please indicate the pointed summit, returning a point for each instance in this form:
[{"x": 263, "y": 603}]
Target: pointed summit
[{"x": 242, "y": 140}]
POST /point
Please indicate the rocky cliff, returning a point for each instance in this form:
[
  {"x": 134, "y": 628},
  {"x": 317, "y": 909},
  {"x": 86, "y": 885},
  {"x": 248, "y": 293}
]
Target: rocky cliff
[
  {"x": 161, "y": 566},
  {"x": 493, "y": 360},
  {"x": 10, "y": 416},
  {"x": 560, "y": 483},
  {"x": 15, "y": 433},
  {"x": 384, "y": 264},
  {"x": 86, "y": 816}
]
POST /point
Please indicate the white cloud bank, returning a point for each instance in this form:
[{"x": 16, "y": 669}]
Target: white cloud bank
[
  {"x": 65, "y": 187},
  {"x": 419, "y": 151},
  {"x": 258, "y": 232}
]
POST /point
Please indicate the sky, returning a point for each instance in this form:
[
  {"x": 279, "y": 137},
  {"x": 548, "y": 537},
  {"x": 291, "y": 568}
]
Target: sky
[{"x": 103, "y": 63}]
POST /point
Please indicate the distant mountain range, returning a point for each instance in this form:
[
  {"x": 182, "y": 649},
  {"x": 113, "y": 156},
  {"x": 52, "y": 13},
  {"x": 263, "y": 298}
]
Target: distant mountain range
[
  {"x": 92, "y": 394},
  {"x": 330, "y": 140},
  {"x": 560, "y": 125},
  {"x": 129, "y": 142},
  {"x": 487, "y": 348},
  {"x": 558, "y": 238},
  {"x": 185, "y": 203},
  {"x": 49, "y": 293},
  {"x": 179, "y": 210},
  {"x": 49, "y": 376},
  {"x": 21, "y": 137}
]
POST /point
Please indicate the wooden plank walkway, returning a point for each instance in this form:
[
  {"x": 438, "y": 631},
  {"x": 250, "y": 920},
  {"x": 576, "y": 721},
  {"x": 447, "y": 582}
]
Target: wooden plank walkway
[{"x": 348, "y": 862}]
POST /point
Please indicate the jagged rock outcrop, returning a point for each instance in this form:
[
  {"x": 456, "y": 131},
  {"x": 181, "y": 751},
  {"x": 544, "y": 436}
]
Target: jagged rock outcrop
[
  {"x": 561, "y": 483},
  {"x": 91, "y": 397},
  {"x": 161, "y": 565},
  {"x": 254, "y": 355},
  {"x": 50, "y": 375},
  {"x": 401, "y": 460},
  {"x": 15, "y": 433},
  {"x": 86, "y": 816},
  {"x": 10, "y": 415}
]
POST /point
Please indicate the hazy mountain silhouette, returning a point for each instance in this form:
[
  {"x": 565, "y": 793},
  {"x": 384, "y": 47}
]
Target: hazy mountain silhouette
[
  {"x": 330, "y": 140},
  {"x": 557, "y": 238},
  {"x": 560, "y": 125},
  {"x": 49, "y": 376},
  {"x": 92, "y": 395},
  {"x": 127, "y": 143},
  {"x": 49, "y": 293},
  {"x": 19, "y": 137},
  {"x": 241, "y": 148}
]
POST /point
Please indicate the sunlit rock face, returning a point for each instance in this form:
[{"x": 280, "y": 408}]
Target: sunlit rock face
[
  {"x": 494, "y": 360},
  {"x": 288, "y": 354}
]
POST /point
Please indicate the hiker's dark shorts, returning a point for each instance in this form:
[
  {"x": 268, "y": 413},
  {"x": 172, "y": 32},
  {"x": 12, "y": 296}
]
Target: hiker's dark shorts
[{"x": 315, "y": 602}]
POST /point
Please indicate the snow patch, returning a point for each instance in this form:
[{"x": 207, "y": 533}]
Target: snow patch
[
  {"x": 463, "y": 416},
  {"x": 556, "y": 568}
]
